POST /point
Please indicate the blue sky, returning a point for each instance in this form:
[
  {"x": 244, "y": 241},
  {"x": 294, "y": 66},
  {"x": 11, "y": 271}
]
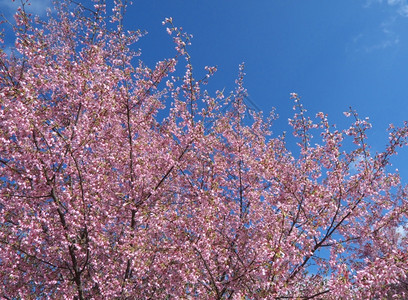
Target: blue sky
[{"x": 334, "y": 54}]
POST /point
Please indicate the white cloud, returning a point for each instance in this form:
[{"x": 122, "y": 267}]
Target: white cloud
[
  {"x": 394, "y": 2},
  {"x": 382, "y": 45},
  {"x": 391, "y": 38},
  {"x": 355, "y": 164},
  {"x": 401, "y": 232},
  {"x": 403, "y": 10},
  {"x": 368, "y": 3},
  {"x": 382, "y": 37},
  {"x": 400, "y": 5}
]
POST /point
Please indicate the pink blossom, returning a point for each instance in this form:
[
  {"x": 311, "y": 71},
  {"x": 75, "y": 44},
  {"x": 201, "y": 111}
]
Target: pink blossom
[{"x": 123, "y": 181}]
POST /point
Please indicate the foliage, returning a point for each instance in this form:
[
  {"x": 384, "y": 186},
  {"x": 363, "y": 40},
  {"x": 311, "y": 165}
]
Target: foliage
[{"x": 102, "y": 198}]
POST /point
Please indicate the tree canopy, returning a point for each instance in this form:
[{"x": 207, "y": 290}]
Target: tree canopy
[{"x": 120, "y": 181}]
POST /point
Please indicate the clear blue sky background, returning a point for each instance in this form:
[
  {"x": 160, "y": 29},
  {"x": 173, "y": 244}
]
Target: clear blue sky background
[{"x": 334, "y": 54}]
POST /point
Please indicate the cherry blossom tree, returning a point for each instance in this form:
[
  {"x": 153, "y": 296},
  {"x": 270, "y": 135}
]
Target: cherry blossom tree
[{"x": 102, "y": 198}]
